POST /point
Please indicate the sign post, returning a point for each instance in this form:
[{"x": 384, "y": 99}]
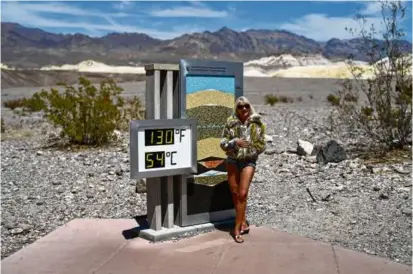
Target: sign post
[
  {"x": 161, "y": 102},
  {"x": 177, "y": 147}
]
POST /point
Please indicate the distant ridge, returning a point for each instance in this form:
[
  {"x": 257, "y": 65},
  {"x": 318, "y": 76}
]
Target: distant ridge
[{"x": 24, "y": 47}]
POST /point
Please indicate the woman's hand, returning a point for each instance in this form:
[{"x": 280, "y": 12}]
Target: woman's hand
[{"x": 243, "y": 143}]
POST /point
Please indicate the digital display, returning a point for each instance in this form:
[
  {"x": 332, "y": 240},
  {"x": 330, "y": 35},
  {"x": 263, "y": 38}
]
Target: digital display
[
  {"x": 157, "y": 159},
  {"x": 159, "y": 137},
  {"x": 162, "y": 147}
]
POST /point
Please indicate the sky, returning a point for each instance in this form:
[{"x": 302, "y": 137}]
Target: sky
[{"x": 320, "y": 21}]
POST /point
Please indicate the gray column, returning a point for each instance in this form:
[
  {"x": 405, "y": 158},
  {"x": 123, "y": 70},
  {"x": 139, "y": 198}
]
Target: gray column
[{"x": 153, "y": 185}]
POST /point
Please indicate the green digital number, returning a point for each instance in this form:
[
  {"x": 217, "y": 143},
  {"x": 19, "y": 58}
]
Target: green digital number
[
  {"x": 148, "y": 160},
  {"x": 160, "y": 157},
  {"x": 159, "y": 136},
  {"x": 169, "y": 136},
  {"x": 154, "y": 159}
]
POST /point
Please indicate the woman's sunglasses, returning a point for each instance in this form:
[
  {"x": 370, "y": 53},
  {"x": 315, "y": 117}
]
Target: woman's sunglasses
[{"x": 243, "y": 106}]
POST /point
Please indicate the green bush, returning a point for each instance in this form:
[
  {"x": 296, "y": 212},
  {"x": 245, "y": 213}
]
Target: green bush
[
  {"x": 3, "y": 126},
  {"x": 385, "y": 116},
  {"x": 333, "y": 100},
  {"x": 132, "y": 110},
  {"x": 16, "y": 103},
  {"x": 87, "y": 115},
  {"x": 285, "y": 99},
  {"x": 271, "y": 99},
  {"x": 35, "y": 103}
]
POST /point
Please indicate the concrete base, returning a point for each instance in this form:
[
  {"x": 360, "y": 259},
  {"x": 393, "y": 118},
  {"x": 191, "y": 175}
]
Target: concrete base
[
  {"x": 168, "y": 233},
  {"x": 98, "y": 246}
]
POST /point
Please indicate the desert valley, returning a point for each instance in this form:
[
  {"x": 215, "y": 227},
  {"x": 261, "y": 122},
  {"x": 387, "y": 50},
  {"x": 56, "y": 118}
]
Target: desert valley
[{"x": 357, "y": 202}]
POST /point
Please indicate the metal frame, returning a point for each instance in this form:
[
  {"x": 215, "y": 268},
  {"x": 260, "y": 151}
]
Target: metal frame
[
  {"x": 136, "y": 125},
  {"x": 204, "y": 68}
]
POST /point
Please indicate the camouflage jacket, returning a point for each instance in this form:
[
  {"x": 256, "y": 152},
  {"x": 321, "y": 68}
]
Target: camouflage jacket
[{"x": 253, "y": 130}]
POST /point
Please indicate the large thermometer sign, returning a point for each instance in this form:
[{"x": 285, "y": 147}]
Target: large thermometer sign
[{"x": 162, "y": 147}]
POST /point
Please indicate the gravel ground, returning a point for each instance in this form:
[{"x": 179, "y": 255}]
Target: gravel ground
[{"x": 358, "y": 206}]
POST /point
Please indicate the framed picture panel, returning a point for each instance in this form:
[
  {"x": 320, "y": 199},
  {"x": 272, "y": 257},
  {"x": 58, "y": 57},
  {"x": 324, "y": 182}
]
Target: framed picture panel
[{"x": 208, "y": 90}]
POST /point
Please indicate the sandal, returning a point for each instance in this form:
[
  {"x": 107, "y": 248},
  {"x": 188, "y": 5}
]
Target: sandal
[
  {"x": 245, "y": 230},
  {"x": 237, "y": 237}
]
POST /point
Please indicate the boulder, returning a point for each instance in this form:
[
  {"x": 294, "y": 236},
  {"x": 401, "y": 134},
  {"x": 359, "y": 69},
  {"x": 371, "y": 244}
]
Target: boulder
[
  {"x": 332, "y": 152},
  {"x": 140, "y": 186},
  {"x": 304, "y": 148}
]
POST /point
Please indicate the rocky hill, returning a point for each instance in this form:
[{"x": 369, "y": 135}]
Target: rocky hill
[{"x": 24, "y": 47}]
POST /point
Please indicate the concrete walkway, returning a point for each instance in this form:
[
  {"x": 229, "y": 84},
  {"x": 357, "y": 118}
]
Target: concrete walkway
[{"x": 98, "y": 246}]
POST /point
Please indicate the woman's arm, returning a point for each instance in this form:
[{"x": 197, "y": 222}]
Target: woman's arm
[
  {"x": 228, "y": 143},
  {"x": 258, "y": 137}
]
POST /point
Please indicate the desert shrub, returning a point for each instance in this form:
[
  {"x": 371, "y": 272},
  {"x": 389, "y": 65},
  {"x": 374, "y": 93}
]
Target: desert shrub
[
  {"x": 350, "y": 98},
  {"x": 35, "y": 103},
  {"x": 285, "y": 99},
  {"x": 333, "y": 100},
  {"x": 88, "y": 115},
  {"x": 132, "y": 110},
  {"x": 385, "y": 117},
  {"x": 3, "y": 126},
  {"x": 271, "y": 99},
  {"x": 299, "y": 99},
  {"x": 14, "y": 103},
  {"x": 311, "y": 96}
]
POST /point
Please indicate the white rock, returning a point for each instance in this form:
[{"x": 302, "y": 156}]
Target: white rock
[
  {"x": 304, "y": 147},
  {"x": 268, "y": 138}
]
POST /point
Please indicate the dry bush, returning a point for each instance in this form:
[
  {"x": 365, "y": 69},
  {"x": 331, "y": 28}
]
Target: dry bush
[
  {"x": 286, "y": 99},
  {"x": 14, "y": 103},
  {"x": 386, "y": 116},
  {"x": 35, "y": 103},
  {"x": 274, "y": 99},
  {"x": 334, "y": 100},
  {"x": 3, "y": 126},
  {"x": 271, "y": 99},
  {"x": 86, "y": 114},
  {"x": 132, "y": 110}
]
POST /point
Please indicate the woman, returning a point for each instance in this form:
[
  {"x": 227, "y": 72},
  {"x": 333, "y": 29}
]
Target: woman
[{"x": 243, "y": 139}]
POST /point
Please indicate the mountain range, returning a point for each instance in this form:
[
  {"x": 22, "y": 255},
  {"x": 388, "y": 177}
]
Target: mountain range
[{"x": 24, "y": 47}]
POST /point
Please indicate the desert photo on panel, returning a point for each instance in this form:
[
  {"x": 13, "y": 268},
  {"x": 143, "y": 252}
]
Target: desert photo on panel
[{"x": 210, "y": 99}]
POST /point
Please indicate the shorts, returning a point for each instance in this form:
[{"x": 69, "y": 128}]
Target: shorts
[{"x": 241, "y": 164}]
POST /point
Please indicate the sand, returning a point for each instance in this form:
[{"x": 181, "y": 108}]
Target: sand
[
  {"x": 284, "y": 66},
  {"x": 93, "y": 66},
  {"x": 336, "y": 71},
  {"x": 209, "y": 147},
  {"x": 214, "y": 97}
]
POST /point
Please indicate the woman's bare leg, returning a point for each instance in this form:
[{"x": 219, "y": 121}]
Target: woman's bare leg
[
  {"x": 245, "y": 180},
  {"x": 233, "y": 181}
]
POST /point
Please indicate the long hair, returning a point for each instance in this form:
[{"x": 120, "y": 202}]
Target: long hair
[{"x": 243, "y": 100}]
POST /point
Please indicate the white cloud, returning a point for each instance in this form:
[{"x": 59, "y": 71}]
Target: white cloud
[
  {"x": 33, "y": 15},
  {"x": 371, "y": 8},
  {"x": 321, "y": 27},
  {"x": 123, "y": 5},
  {"x": 195, "y": 11},
  {"x": 58, "y": 8}
]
